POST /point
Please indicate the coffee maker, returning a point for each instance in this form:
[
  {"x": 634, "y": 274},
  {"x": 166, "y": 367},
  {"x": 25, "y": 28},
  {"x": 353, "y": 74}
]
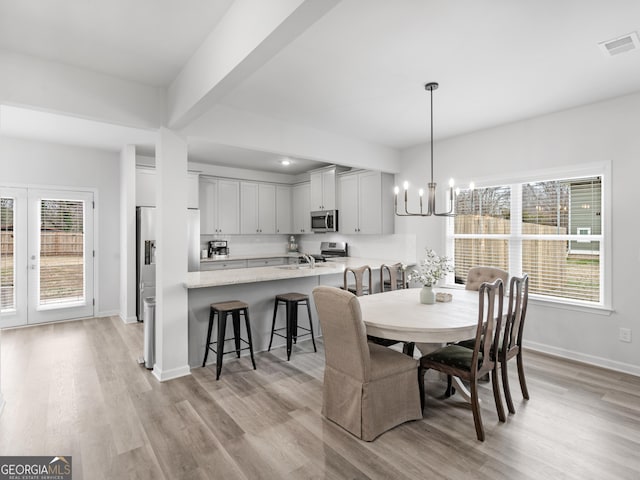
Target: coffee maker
[{"x": 218, "y": 248}]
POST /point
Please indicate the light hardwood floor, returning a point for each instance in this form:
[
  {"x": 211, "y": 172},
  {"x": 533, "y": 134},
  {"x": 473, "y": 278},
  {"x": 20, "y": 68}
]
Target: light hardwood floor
[{"x": 75, "y": 389}]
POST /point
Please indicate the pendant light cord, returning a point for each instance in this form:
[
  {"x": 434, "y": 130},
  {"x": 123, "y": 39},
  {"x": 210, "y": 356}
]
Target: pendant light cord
[{"x": 431, "y": 92}]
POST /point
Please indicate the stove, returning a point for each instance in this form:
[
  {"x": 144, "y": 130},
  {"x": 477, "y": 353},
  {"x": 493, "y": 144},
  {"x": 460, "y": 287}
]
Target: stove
[{"x": 332, "y": 250}]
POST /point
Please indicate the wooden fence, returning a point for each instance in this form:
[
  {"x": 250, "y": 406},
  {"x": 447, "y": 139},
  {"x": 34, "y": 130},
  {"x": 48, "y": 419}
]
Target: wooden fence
[
  {"x": 60, "y": 244},
  {"x": 541, "y": 258}
]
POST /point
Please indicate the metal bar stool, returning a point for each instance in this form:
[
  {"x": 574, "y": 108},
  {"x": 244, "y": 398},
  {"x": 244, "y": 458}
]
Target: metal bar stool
[
  {"x": 292, "y": 302},
  {"x": 235, "y": 308}
]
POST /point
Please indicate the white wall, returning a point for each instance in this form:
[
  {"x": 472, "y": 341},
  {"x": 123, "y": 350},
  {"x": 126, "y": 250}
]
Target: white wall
[
  {"x": 25, "y": 163},
  {"x": 128, "y": 234},
  {"x": 605, "y": 131}
]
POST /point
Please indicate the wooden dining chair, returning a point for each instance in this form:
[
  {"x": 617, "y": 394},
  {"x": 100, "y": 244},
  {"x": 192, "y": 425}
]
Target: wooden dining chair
[
  {"x": 392, "y": 277},
  {"x": 360, "y": 287},
  {"x": 512, "y": 339},
  {"x": 368, "y": 389},
  {"x": 470, "y": 364}
]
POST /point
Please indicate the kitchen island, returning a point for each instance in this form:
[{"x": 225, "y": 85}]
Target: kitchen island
[{"x": 258, "y": 287}]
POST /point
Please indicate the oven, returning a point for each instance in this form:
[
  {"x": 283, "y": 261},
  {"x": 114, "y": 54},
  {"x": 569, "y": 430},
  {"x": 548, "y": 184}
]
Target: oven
[{"x": 324, "y": 221}]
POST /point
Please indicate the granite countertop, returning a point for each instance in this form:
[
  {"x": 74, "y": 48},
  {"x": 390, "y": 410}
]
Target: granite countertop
[{"x": 333, "y": 266}]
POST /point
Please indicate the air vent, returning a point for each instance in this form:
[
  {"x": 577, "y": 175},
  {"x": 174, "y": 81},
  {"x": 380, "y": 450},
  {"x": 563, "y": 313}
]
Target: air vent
[{"x": 621, "y": 44}]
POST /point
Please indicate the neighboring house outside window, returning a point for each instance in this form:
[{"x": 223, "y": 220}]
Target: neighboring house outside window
[{"x": 550, "y": 229}]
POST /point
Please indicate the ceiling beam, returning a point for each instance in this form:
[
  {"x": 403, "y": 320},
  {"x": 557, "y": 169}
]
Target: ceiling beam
[{"x": 250, "y": 33}]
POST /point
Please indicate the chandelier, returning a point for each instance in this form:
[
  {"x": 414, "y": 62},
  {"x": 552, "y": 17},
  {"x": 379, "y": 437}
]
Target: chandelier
[{"x": 431, "y": 194}]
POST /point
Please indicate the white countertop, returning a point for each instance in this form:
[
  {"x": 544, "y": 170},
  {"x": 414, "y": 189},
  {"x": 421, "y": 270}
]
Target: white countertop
[{"x": 333, "y": 266}]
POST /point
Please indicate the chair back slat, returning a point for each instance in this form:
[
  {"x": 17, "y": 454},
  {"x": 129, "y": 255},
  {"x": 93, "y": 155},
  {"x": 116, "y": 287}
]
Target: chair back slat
[
  {"x": 518, "y": 300},
  {"x": 491, "y": 299}
]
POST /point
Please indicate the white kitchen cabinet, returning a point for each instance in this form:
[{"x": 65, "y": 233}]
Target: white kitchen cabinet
[
  {"x": 265, "y": 262},
  {"x": 222, "y": 265},
  {"x": 283, "y": 209},
  {"x": 366, "y": 203},
  {"x": 219, "y": 206},
  {"x": 146, "y": 188},
  {"x": 258, "y": 208},
  {"x": 301, "y": 211},
  {"x": 323, "y": 190}
]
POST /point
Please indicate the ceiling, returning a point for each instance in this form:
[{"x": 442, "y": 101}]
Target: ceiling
[{"x": 360, "y": 70}]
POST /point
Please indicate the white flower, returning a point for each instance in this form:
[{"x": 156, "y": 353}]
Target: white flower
[{"x": 431, "y": 269}]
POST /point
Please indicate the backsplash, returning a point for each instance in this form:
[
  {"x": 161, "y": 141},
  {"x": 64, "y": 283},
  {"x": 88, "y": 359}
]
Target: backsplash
[{"x": 397, "y": 246}]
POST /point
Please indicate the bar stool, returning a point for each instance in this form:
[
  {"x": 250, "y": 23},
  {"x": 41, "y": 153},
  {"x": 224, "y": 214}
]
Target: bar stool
[
  {"x": 292, "y": 302},
  {"x": 235, "y": 308},
  {"x": 360, "y": 287}
]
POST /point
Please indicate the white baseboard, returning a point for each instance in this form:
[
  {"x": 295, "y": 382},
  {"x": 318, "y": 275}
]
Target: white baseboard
[
  {"x": 584, "y": 358},
  {"x": 108, "y": 313},
  {"x": 167, "y": 375},
  {"x": 133, "y": 319}
]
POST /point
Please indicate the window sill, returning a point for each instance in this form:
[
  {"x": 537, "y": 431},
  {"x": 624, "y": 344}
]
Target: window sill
[{"x": 562, "y": 305}]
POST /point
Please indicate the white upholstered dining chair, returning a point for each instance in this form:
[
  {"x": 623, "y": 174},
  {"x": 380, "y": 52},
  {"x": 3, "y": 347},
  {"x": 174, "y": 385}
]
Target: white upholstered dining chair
[{"x": 368, "y": 388}]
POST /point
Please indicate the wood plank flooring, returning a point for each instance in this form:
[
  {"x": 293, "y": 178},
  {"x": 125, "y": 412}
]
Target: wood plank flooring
[{"x": 75, "y": 388}]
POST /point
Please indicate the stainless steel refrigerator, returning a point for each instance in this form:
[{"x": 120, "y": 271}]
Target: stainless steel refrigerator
[{"x": 146, "y": 252}]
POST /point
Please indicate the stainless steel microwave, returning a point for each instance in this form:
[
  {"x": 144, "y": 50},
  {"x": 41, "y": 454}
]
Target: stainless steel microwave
[{"x": 324, "y": 221}]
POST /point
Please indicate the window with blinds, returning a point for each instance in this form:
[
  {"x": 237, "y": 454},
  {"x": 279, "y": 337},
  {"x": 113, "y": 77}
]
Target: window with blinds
[
  {"x": 551, "y": 230},
  {"x": 61, "y": 252},
  {"x": 7, "y": 258}
]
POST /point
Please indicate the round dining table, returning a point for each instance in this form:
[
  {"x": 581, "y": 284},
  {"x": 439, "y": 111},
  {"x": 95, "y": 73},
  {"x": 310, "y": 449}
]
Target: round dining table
[{"x": 399, "y": 315}]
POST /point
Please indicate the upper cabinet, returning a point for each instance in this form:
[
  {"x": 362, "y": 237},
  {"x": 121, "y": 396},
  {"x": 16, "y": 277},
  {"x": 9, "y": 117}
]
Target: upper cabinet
[
  {"x": 258, "y": 208},
  {"x": 219, "y": 206},
  {"x": 283, "y": 209},
  {"x": 366, "y": 203},
  {"x": 323, "y": 189},
  {"x": 301, "y": 195},
  {"x": 146, "y": 188}
]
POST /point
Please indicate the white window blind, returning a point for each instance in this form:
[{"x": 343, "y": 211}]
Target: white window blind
[
  {"x": 550, "y": 229},
  {"x": 7, "y": 258}
]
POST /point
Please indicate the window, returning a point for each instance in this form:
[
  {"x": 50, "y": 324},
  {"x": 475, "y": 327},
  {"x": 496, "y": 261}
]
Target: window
[{"x": 550, "y": 229}]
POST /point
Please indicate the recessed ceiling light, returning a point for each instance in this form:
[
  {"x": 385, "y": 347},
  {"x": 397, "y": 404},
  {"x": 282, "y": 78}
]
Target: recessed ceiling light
[{"x": 285, "y": 162}]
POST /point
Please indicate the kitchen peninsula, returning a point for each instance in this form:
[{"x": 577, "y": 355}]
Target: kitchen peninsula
[{"x": 258, "y": 287}]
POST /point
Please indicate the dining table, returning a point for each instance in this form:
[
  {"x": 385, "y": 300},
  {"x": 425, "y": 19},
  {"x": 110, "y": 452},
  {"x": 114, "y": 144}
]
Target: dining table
[{"x": 399, "y": 315}]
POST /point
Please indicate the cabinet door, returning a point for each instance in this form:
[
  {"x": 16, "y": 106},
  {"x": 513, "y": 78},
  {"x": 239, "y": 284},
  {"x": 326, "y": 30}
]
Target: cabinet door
[
  {"x": 145, "y": 187},
  {"x": 329, "y": 190},
  {"x": 283, "y": 209},
  {"x": 315, "y": 192},
  {"x": 301, "y": 209},
  {"x": 370, "y": 209},
  {"x": 207, "y": 194},
  {"x": 249, "y": 208},
  {"x": 348, "y": 211},
  {"x": 228, "y": 207},
  {"x": 266, "y": 208}
]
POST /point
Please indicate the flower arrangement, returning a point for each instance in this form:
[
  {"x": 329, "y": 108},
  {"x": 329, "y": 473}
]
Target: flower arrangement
[{"x": 431, "y": 269}]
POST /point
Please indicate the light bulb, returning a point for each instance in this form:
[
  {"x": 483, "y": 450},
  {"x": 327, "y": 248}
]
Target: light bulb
[
  {"x": 285, "y": 162},
  {"x": 472, "y": 186},
  {"x": 421, "y": 192},
  {"x": 458, "y": 191},
  {"x": 396, "y": 189},
  {"x": 451, "y": 183},
  {"x": 406, "y": 185}
]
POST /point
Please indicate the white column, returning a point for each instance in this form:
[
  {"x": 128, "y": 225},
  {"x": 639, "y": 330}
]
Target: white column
[
  {"x": 171, "y": 257},
  {"x": 128, "y": 234}
]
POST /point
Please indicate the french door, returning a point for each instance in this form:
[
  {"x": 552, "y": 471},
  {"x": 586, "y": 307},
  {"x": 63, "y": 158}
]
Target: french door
[{"x": 46, "y": 255}]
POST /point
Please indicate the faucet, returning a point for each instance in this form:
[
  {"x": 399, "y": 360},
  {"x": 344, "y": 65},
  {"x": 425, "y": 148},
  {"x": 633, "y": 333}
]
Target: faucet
[{"x": 309, "y": 259}]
